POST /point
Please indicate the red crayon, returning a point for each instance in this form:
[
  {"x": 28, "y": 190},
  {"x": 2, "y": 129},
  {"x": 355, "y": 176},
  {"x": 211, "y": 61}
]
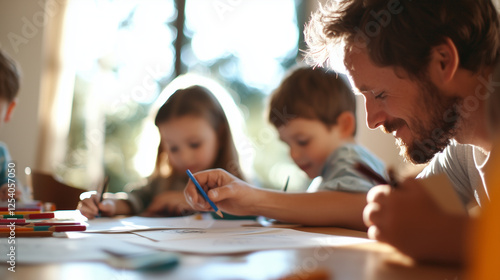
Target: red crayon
[
  {"x": 39, "y": 208},
  {"x": 60, "y": 228},
  {"x": 31, "y": 216},
  {"x": 43, "y": 228},
  {"x": 41, "y": 224},
  {"x": 28, "y": 234},
  {"x": 9, "y": 221}
]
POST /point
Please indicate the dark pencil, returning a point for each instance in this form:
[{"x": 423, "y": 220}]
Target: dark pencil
[
  {"x": 103, "y": 190},
  {"x": 368, "y": 172},
  {"x": 104, "y": 187},
  {"x": 286, "y": 184}
]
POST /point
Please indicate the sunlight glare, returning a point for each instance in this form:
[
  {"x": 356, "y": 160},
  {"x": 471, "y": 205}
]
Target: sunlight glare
[{"x": 259, "y": 42}]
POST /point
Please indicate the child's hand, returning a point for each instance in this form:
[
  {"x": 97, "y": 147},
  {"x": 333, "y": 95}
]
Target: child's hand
[
  {"x": 4, "y": 193},
  {"x": 90, "y": 207},
  {"x": 229, "y": 193},
  {"x": 169, "y": 203},
  {"x": 410, "y": 220}
]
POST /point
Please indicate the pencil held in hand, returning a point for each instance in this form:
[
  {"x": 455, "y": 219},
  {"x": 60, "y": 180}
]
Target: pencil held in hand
[
  {"x": 203, "y": 193},
  {"x": 103, "y": 190},
  {"x": 286, "y": 184},
  {"x": 368, "y": 172}
]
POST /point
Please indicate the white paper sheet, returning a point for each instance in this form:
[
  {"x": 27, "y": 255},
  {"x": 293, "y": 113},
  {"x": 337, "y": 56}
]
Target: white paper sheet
[
  {"x": 238, "y": 240},
  {"x": 183, "y": 234},
  {"x": 35, "y": 250},
  {"x": 134, "y": 224}
]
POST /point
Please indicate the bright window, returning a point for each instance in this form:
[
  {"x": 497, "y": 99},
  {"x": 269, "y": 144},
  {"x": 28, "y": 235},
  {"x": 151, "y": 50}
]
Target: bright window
[{"x": 127, "y": 56}]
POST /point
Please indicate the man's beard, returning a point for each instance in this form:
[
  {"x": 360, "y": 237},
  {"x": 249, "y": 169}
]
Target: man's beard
[{"x": 436, "y": 133}]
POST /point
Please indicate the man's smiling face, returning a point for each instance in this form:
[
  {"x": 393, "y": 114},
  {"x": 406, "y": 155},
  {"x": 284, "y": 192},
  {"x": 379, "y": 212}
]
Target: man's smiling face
[{"x": 413, "y": 111}]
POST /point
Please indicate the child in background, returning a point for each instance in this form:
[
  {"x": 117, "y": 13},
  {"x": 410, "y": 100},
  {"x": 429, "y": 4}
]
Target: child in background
[
  {"x": 314, "y": 112},
  {"x": 9, "y": 88},
  {"x": 320, "y": 129},
  {"x": 195, "y": 135}
]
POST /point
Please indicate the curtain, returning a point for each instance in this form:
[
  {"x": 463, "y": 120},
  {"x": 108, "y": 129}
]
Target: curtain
[{"x": 57, "y": 83}]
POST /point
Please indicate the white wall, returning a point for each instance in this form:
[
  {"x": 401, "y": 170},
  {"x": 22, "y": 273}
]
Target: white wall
[{"x": 21, "y": 35}]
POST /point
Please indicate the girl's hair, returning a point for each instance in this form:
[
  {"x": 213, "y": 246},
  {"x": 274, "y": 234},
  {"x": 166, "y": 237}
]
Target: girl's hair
[{"x": 200, "y": 102}]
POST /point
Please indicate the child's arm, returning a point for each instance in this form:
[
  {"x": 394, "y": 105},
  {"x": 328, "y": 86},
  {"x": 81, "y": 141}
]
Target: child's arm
[
  {"x": 90, "y": 207},
  {"x": 316, "y": 209},
  {"x": 168, "y": 203},
  {"x": 325, "y": 208}
]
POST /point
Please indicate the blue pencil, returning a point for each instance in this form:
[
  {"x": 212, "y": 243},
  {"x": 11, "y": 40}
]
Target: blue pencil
[{"x": 200, "y": 189}]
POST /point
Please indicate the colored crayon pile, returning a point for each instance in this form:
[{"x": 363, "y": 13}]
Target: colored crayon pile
[{"x": 32, "y": 222}]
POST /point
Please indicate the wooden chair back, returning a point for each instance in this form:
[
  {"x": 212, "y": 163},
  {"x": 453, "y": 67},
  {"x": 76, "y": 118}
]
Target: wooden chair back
[{"x": 46, "y": 188}]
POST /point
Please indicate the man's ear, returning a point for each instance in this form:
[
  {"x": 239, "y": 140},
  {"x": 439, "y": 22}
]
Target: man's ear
[
  {"x": 444, "y": 62},
  {"x": 10, "y": 109},
  {"x": 346, "y": 122}
]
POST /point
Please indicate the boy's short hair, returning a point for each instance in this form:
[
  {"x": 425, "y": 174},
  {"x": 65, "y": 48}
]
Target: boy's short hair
[
  {"x": 9, "y": 77},
  {"x": 311, "y": 93}
]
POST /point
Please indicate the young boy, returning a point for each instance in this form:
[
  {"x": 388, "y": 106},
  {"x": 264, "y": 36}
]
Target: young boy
[
  {"x": 314, "y": 112},
  {"x": 9, "y": 87}
]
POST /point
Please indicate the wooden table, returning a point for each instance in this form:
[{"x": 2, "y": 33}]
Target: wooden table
[{"x": 363, "y": 261}]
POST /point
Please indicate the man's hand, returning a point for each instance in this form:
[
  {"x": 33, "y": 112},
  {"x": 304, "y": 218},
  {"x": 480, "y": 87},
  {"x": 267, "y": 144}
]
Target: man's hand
[
  {"x": 229, "y": 193},
  {"x": 410, "y": 220}
]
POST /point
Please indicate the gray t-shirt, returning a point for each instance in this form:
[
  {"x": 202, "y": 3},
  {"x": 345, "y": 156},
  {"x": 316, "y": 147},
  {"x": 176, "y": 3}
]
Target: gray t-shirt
[
  {"x": 463, "y": 164},
  {"x": 339, "y": 175}
]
